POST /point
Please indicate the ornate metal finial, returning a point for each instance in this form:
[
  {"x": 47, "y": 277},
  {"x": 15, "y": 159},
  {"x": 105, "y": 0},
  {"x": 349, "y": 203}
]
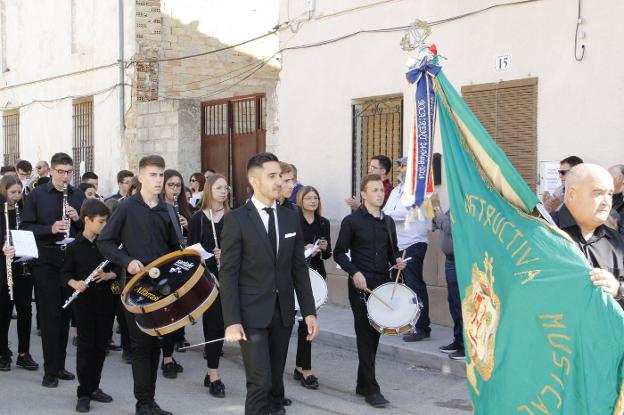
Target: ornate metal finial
[{"x": 415, "y": 36}]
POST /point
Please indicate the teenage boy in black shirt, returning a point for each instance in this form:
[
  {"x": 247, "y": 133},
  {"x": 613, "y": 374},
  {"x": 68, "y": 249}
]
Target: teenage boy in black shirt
[
  {"x": 143, "y": 224},
  {"x": 94, "y": 308},
  {"x": 43, "y": 213}
]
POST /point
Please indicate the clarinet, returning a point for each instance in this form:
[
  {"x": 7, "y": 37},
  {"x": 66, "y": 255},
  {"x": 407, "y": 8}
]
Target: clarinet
[
  {"x": 9, "y": 261},
  {"x": 89, "y": 279},
  {"x": 25, "y": 270},
  {"x": 176, "y": 207},
  {"x": 65, "y": 216}
]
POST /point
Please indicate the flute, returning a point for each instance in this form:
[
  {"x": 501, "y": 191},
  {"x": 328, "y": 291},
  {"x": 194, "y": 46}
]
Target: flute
[
  {"x": 176, "y": 207},
  {"x": 214, "y": 235},
  {"x": 9, "y": 260},
  {"x": 89, "y": 279}
]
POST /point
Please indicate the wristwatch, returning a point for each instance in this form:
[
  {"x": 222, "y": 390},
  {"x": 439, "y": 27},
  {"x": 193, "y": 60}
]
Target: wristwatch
[{"x": 620, "y": 294}]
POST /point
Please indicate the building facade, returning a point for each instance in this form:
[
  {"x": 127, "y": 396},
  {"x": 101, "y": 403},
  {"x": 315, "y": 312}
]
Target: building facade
[
  {"x": 539, "y": 95},
  {"x": 62, "y": 89}
]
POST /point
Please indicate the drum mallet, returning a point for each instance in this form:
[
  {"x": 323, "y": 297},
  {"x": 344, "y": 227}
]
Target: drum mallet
[
  {"x": 368, "y": 290},
  {"x": 201, "y": 344},
  {"x": 396, "y": 282}
]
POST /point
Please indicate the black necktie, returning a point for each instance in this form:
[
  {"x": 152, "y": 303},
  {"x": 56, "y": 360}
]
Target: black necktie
[{"x": 272, "y": 236}]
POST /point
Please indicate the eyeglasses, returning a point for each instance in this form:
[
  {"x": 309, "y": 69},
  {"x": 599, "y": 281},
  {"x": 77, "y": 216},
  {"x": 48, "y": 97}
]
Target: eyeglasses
[
  {"x": 174, "y": 185},
  {"x": 563, "y": 172},
  {"x": 64, "y": 172}
]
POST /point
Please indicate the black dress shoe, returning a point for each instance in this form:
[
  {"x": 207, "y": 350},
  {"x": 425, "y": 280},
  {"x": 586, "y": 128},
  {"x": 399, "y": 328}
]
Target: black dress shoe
[
  {"x": 286, "y": 402},
  {"x": 169, "y": 370},
  {"x": 310, "y": 382},
  {"x": 143, "y": 409},
  {"x": 415, "y": 337},
  {"x": 5, "y": 363},
  {"x": 277, "y": 409},
  {"x": 65, "y": 375},
  {"x": 83, "y": 405},
  {"x": 157, "y": 410},
  {"x": 100, "y": 396},
  {"x": 217, "y": 389},
  {"x": 26, "y": 362},
  {"x": 49, "y": 381},
  {"x": 377, "y": 400}
]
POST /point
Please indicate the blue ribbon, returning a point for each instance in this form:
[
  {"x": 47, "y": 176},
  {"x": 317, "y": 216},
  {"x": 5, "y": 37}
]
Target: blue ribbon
[{"x": 425, "y": 118}]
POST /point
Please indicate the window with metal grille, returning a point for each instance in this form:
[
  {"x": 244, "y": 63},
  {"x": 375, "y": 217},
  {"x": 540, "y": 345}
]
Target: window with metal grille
[
  {"x": 377, "y": 130},
  {"x": 508, "y": 111},
  {"x": 10, "y": 124},
  {"x": 83, "y": 136}
]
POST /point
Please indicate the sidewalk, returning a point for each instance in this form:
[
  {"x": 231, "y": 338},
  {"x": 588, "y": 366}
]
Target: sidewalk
[{"x": 337, "y": 331}]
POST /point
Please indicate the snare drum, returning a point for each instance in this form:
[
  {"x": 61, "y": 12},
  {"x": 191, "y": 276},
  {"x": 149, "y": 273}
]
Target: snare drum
[
  {"x": 319, "y": 290},
  {"x": 405, "y": 309},
  {"x": 170, "y": 292}
]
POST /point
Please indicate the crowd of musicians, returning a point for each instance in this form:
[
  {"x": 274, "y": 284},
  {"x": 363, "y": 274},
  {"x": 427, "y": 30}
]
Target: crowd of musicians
[{"x": 258, "y": 260}]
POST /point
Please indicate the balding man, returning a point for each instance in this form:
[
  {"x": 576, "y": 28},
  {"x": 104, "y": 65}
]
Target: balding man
[{"x": 588, "y": 198}]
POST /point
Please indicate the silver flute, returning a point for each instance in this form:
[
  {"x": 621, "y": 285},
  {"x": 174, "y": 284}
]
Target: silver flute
[
  {"x": 89, "y": 279},
  {"x": 9, "y": 260},
  {"x": 25, "y": 270},
  {"x": 176, "y": 207}
]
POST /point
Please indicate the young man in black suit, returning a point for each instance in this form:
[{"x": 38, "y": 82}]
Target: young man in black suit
[{"x": 262, "y": 261}]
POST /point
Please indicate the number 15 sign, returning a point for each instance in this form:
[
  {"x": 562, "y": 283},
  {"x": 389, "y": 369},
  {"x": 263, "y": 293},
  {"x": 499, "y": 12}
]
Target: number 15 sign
[{"x": 503, "y": 63}]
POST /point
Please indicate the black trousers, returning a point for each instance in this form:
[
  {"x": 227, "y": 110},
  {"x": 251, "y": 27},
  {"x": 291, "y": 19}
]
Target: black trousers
[
  {"x": 53, "y": 319},
  {"x": 212, "y": 322},
  {"x": 22, "y": 297},
  {"x": 264, "y": 354},
  {"x": 168, "y": 342},
  {"x": 304, "y": 347},
  {"x": 123, "y": 325},
  {"x": 94, "y": 311},
  {"x": 413, "y": 275},
  {"x": 367, "y": 338},
  {"x": 145, "y": 359}
]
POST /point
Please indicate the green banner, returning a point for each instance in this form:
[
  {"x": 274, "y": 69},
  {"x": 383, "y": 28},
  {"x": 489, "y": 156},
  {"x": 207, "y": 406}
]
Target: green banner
[{"x": 540, "y": 338}]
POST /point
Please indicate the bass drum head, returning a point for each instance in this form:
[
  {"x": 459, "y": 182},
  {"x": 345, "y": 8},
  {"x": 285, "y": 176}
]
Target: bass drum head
[
  {"x": 319, "y": 290},
  {"x": 405, "y": 307},
  {"x": 172, "y": 271}
]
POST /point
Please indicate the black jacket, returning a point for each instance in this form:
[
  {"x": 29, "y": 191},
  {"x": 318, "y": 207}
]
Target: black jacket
[{"x": 251, "y": 276}]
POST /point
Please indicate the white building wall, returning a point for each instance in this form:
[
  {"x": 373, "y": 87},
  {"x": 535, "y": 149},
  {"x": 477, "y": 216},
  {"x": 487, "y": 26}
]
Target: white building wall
[
  {"x": 38, "y": 39},
  {"x": 579, "y": 107}
]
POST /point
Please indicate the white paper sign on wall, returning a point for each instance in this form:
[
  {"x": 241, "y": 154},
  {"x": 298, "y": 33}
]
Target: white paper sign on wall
[{"x": 503, "y": 63}]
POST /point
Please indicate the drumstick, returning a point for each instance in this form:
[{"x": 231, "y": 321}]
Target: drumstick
[
  {"x": 368, "y": 290},
  {"x": 201, "y": 344},
  {"x": 214, "y": 234},
  {"x": 396, "y": 282}
]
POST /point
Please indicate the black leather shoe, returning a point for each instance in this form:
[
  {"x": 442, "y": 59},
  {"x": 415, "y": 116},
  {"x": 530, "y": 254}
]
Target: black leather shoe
[
  {"x": 49, "y": 381},
  {"x": 5, "y": 363},
  {"x": 143, "y": 409},
  {"x": 26, "y": 362},
  {"x": 277, "y": 409},
  {"x": 310, "y": 382},
  {"x": 65, "y": 375},
  {"x": 415, "y": 337},
  {"x": 83, "y": 405},
  {"x": 126, "y": 356},
  {"x": 178, "y": 367},
  {"x": 286, "y": 402},
  {"x": 157, "y": 410},
  {"x": 217, "y": 389},
  {"x": 100, "y": 396},
  {"x": 169, "y": 370},
  {"x": 377, "y": 400}
]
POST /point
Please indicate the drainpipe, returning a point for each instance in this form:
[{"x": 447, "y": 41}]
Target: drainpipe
[{"x": 122, "y": 90}]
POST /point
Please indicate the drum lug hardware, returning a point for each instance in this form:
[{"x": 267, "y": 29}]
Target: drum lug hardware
[
  {"x": 176, "y": 295},
  {"x": 191, "y": 319},
  {"x": 142, "y": 309}
]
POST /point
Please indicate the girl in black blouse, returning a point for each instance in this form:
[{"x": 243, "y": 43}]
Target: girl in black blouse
[
  {"x": 172, "y": 190},
  {"x": 11, "y": 191},
  {"x": 214, "y": 204},
  {"x": 314, "y": 227}
]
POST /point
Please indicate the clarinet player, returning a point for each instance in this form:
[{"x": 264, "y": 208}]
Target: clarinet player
[{"x": 52, "y": 214}]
